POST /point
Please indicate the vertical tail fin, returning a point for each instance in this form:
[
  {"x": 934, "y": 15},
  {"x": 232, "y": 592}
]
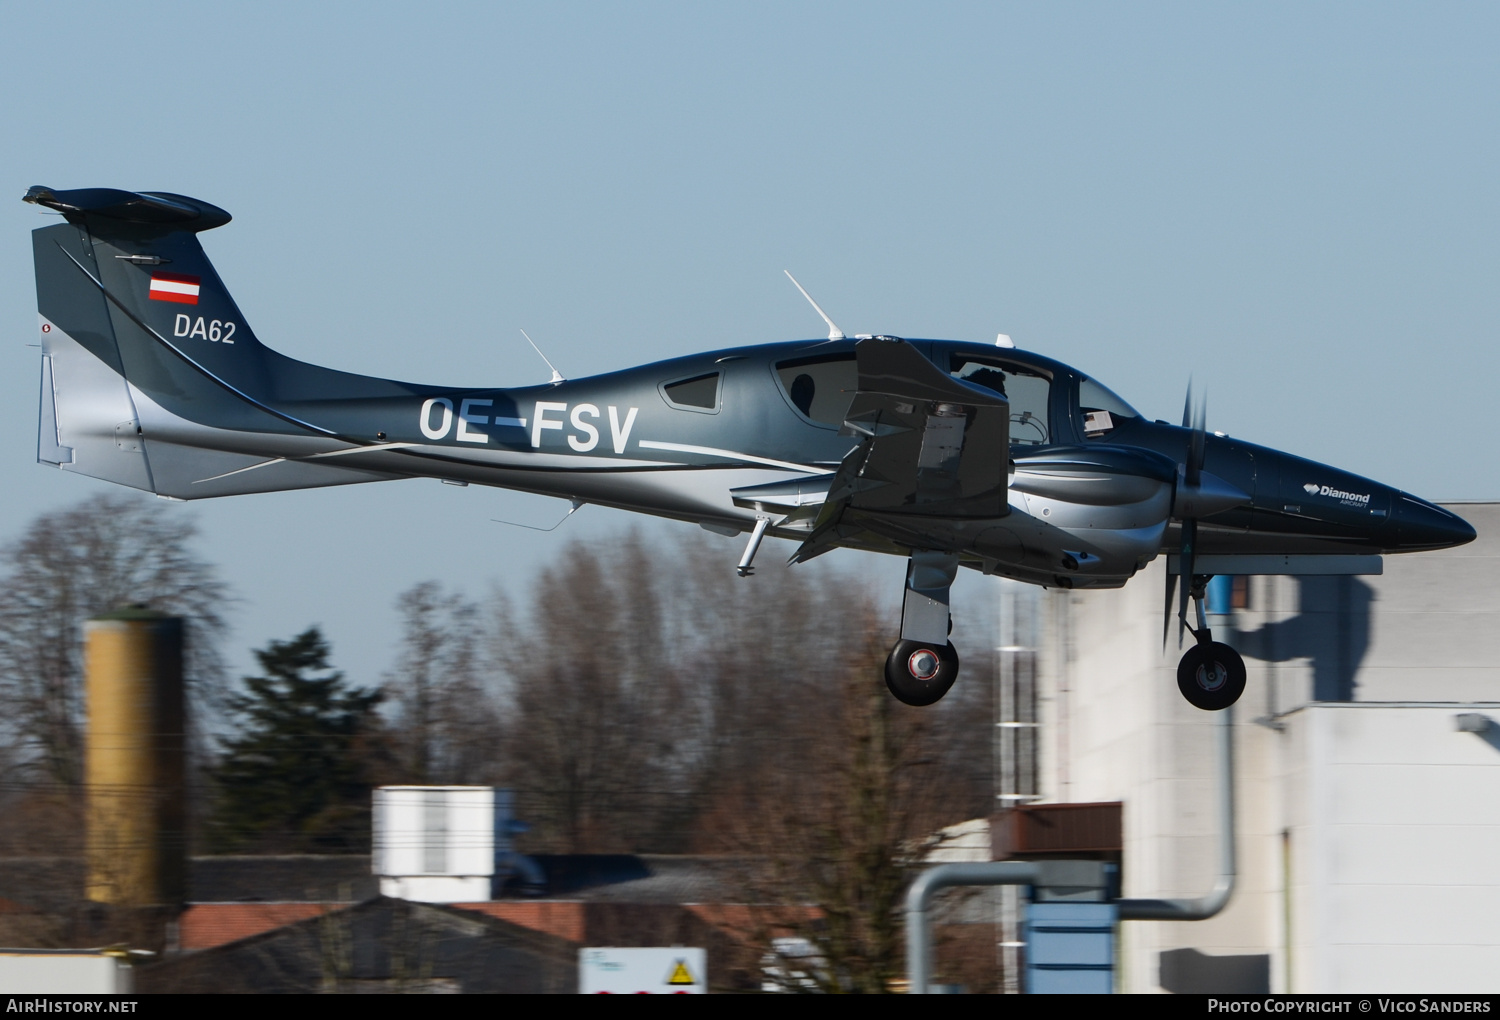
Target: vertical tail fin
[
  {"x": 155, "y": 290},
  {"x": 136, "y": 322}
]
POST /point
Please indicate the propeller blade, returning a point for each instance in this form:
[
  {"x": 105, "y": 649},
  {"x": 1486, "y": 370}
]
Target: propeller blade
[
  {"x": 1185, "y": 568},
  {"x": 1166, "y": 609},
  {"x": 1195, "y": 416}
]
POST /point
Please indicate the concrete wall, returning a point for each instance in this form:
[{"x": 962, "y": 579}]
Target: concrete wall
[
  {"x": 1115, "y": 727},
  {"x": 1394, "y": 836}
]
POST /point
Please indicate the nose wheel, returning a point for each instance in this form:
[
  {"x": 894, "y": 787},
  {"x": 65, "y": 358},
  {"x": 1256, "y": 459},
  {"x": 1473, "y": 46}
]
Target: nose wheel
[
  {"x": 1211, "y": 676},
  {"x": 920, "y": 674}
]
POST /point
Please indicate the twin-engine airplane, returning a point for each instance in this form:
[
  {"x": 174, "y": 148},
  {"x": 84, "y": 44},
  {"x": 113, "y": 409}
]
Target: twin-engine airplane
[{"x": 949, "y": 453}]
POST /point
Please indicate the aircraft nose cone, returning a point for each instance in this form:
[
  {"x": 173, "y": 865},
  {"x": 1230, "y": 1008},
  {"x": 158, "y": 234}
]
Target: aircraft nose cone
[{"x": 1421, "y": 525}]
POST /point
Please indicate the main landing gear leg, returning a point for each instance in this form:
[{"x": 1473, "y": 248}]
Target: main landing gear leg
[
  {"x": 923, "y": 665},
  {"x": 744, "y": 568},
  {"x": 1211, "y": 675}
]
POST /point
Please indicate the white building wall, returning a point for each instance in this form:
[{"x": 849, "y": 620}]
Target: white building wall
[
  {"x": 1438, "y": 637},
  {"x": 1116, "y": 728},
  {"x": 1396, "y": 849}
]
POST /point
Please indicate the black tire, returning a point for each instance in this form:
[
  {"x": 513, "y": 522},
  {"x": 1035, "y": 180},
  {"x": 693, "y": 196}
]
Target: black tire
[
  {"x": 916, "y": 680},
  {"x": 1211, "y": 680}
]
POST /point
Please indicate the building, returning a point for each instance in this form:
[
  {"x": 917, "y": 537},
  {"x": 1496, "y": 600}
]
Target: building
[
  {"x": 379, "y": 945},
  {"x": 1367, "y": 757},
  {"x": 310, "y": 923}
]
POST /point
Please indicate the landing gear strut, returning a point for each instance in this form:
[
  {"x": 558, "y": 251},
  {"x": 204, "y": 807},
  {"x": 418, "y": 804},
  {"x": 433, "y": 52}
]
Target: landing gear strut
[
  {"x": 923, "y": 664},
  {"x": 1211, "y": 675}
]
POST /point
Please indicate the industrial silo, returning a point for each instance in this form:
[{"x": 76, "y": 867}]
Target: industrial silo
[{"x": 134, "y": 760}]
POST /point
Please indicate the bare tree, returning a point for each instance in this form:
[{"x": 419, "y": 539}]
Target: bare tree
[
  {"x": 67, "y": 566},
  {"x": 595, "y": 717},
  {"x": 831, "y": 825},
  {"x": 447, "y": 723},
  {"x": 763, "y": 653},
  {"x": 647, "y": 684},
  {"x": 658, "y": 703}
]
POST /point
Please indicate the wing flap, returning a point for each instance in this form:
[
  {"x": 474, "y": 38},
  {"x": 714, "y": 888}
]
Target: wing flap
[
  {"x": 933, "y": 445},
  {"x": 934, "y": 450}
]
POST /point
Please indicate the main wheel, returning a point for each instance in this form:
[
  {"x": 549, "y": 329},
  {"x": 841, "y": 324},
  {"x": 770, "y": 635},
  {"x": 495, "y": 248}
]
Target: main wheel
[
  {"x": 919, "y": 674},
  {"x": 1211, "y": 680}
]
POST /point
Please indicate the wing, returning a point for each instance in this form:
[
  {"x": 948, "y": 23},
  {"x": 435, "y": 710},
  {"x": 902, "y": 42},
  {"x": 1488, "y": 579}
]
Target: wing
[{"x": 934, "y": 449}]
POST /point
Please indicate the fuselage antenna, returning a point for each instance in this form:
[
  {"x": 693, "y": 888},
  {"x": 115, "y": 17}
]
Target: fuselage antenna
[
  {"x": 834, "y": 333},
  {"x": 557, "y": 376}
]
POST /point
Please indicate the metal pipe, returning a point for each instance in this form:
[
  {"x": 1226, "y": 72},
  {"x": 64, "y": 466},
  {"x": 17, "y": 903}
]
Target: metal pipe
[
  {"x": 944, "y": 876},
  {"x": 933, "y": 880},
  {"x": 1204, "y": 906}
]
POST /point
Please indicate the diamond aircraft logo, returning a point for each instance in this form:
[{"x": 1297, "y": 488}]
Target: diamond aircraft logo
[{"x": 1346, "y": 498}]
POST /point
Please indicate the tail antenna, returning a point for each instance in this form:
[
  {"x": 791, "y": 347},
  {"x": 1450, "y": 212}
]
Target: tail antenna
[
  {"x": 557, "y": 376},
  {"x": 834, "y": 333}
]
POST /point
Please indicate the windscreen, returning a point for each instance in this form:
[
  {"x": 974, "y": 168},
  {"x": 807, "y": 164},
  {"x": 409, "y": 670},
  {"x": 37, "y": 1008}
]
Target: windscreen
[{"x": 1101, "y": 409}]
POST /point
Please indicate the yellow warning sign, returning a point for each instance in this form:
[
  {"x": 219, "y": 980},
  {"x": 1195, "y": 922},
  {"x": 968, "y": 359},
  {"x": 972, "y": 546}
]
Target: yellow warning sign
[{"x": 680, "y": 975}]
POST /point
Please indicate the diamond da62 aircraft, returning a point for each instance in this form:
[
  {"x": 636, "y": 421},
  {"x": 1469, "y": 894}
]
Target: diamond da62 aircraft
[{"x": 951, "y": 454}]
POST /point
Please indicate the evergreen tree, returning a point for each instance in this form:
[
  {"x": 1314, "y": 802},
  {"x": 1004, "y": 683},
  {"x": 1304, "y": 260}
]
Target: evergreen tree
[{"x": 296, "y": 776}]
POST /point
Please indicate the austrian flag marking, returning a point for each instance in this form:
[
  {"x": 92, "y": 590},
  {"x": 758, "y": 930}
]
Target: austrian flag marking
[{"x": 177, "y": 287}]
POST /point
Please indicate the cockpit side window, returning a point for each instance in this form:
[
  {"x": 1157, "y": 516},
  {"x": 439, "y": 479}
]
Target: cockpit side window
[
  {"x": 700, "y": 393},
  {"x": 1026, "y": 388},
  {"x": 820, "y": 387},
  {"x": 1100, "y": 409}
]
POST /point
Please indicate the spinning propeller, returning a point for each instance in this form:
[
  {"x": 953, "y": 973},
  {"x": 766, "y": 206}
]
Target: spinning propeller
[
  {"x": 1198, "y": 494},
  {"x": 1211, "y": 675}
]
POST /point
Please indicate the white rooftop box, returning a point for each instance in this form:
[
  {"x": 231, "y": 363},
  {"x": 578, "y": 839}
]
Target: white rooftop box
[{"x": 439, "y": 844}]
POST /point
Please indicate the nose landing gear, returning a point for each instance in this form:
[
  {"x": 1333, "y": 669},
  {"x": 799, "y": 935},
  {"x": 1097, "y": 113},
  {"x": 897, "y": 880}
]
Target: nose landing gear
[{"x": 1210, "y": 675}]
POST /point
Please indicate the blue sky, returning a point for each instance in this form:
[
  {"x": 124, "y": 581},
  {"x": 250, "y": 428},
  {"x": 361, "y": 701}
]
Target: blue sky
[{"x": 1295, "y": 204}]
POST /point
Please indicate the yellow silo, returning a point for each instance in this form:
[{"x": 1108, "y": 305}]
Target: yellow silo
[{"x": 134, "y": 765}]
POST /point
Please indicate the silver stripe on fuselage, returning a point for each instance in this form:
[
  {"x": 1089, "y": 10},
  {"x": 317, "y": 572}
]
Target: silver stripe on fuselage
[{"x": 711, "y": 451}]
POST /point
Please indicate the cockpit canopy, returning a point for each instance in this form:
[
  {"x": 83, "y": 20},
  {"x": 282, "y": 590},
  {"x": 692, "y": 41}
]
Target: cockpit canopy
[{"x": 821, "y": 386}]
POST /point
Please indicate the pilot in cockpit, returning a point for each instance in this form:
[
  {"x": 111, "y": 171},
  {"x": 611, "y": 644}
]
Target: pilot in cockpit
[
  {"x": 803, "y": 389},
  {"x": 989, "y": 378}
]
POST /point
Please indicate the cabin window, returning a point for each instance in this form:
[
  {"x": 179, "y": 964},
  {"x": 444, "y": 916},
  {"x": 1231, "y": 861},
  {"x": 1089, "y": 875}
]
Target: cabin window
[
  {"x": 1101, "y": 410},
  {"x": 700, "y": 393},
  {"x": 821, "y": 388},
  {"x": 1027, "y": 389}
]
